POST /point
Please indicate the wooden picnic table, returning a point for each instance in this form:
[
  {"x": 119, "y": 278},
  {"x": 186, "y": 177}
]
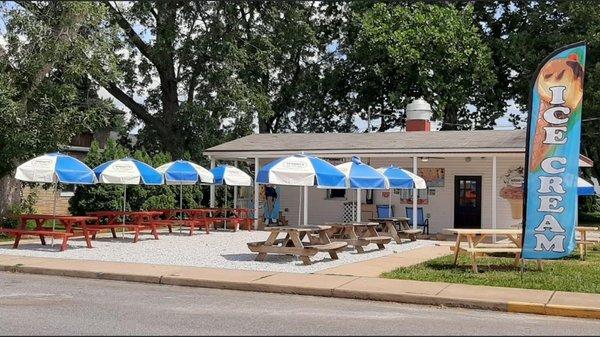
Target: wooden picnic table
[
  {"x": 192, "y": 218},
  {"x": 357, "y": 234},
  {"x": 475, "y": 245},
  {"x": 233, "y": 216},
  {"x": 292, "y": 243},
  {"x": 583, "y": 241},
  {"x": 68, "y": 221},
  {"x": 389, "y": 228},
  {"x": 139, "y": 221}
]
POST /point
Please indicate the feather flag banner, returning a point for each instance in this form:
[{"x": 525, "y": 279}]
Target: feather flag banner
[{"x": 552, "y": 160}]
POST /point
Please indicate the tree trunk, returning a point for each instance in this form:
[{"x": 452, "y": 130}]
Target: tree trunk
[{"x": 10, "y": 193}]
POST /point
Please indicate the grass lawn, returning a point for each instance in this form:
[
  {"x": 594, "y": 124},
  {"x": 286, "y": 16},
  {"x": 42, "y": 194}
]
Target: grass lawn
[{"x": 570, "y": 274}]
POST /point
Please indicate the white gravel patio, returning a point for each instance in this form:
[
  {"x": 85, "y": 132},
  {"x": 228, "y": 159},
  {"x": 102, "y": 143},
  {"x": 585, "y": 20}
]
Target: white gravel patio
[{"x": 219, "y": 249}]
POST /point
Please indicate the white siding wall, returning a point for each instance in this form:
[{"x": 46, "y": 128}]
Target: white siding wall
[{"x": 440, "y": 206}]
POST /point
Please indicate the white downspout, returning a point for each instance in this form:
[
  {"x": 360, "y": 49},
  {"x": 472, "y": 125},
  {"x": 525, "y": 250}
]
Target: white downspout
[
  {"x": 256, "y": 215},
  {"x": 415, "y": 195},
  {"x": 212, "y": 186},
  {"x": 494, "y": 196}
]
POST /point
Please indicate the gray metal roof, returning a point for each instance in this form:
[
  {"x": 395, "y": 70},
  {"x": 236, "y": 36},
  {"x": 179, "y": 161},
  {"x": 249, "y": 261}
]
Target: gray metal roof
[{"x": 381, "y": 143}]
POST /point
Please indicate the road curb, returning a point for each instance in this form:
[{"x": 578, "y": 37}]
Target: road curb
[{"x": 337, "y": 292}]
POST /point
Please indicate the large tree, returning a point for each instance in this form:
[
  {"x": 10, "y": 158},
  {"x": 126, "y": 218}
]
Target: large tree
[{"x": 393, "y": 53}]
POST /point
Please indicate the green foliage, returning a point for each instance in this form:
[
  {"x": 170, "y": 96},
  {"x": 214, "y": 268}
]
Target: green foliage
[
  {"x": 26, "y": 206},
  {"x": 139, "y": 197},
  {"x": 46, "y": 96}
]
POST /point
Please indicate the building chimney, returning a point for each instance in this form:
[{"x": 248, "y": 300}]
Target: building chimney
[{"x": 418, "y": 114}]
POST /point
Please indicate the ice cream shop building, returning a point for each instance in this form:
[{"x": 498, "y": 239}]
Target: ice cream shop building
[{"x": 474, "y": 178}]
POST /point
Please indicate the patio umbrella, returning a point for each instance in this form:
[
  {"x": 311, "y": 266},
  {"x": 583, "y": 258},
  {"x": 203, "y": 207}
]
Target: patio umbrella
[
  {"x": 361, "y": 176},
  {"x": 182, "y": 172},
  {"x": 127, "y": 171},
  {"x": 400, "y": 179},
  {"x": 54, "y": 168},
  {"x": 584, "y": 187},
  {"x": 302, "y": 170},
  {"x": 230, "y": 176}
]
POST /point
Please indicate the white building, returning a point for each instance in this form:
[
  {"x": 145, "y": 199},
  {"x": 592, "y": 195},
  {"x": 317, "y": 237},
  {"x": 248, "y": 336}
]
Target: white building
[{"x": 474, "y": 177}]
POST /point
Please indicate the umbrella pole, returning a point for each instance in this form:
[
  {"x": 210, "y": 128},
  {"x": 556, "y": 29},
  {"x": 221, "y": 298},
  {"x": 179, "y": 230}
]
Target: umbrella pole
[
  {"x": 54, "y": 210},
  {"x": 180, "y": 206},
  {"x": 124, "y": 209},
  {"x": 225, "y": 207},
  {"x": 390, "y": 203}
]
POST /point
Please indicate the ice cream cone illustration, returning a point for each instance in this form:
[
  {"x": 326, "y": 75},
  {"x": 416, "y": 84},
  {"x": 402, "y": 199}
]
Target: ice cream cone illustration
[
  {"x": 564, "y": 72},
  {"x": 513, "y": 191}
]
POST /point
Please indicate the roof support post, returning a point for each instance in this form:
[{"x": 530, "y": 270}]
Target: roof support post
[
  {"x": 235, "y": 188},
  {"x": 494, "y": 196},
  {"x": 212, "y": 187},
  {"x": 414, "y": 197},
  {"x": 256, "y": 191}
]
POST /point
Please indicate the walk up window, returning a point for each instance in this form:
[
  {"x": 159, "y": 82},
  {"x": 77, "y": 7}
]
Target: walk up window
[{"x": 336, "y": 194}]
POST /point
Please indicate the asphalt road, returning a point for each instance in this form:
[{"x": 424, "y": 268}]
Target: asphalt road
[{"x": 40, "y": 305}]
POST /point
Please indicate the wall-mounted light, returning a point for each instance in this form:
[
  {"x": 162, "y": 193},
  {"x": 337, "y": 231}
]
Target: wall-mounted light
[
  {"x": 467, "y": 159},
  {"x": 425, "y": 159}
]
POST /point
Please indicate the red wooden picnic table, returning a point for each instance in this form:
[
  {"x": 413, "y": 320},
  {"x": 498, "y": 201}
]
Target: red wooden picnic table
[
  {"x": 68, "y": 221},
  {"x": 138, "y": 221},
  {"x": 192, "y": 218},
  {"x": 235, "y": 216}
]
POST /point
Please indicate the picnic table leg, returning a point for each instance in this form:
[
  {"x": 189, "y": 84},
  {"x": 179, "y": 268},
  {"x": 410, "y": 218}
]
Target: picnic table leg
[
  {"x": 298, "y": 243},
  {"x": 473, "y": 254},
  {"x": 456, "y": 248},
  {"x": 63, "y": 246},
  {"x": 192, "y": 226},
  {"x": 39, "y": 226},
  {"x": 114, "y": 233},
  {"x": 390, "y": 230},
  {"x": 137, "y": 235},
  {"x": 371, "y": 230},
  {"x": 269, "y": 242},
  {"x": 17, "y": 239},
  {"x": 153, "y": 231}
]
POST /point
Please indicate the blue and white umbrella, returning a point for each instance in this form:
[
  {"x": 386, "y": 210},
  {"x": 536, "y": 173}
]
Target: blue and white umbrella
[
  {"x": 231, "y": 175},
  {"x": 183, "y": 172},
  {"x": 398, "y": 178},
  {"x": 127, "y": 171},
  {"x": 302, "y": 170},
  {"x": 401, "y": 178},
  {"x": 361, "y": 176},
  {"x": 584, "y": 187},
  {"x": 55, "y": 168}
]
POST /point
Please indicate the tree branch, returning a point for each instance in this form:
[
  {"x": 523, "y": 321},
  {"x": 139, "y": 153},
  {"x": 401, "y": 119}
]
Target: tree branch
[{"x": 134, "y": 38}]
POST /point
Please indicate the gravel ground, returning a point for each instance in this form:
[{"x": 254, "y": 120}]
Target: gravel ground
[{"x": 216, "y": 250}]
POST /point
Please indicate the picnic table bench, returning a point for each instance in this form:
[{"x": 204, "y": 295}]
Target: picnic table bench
[
  {"x": 357, "y": 234},
  {"x": 475, "y": 245},
  {"x": 389, "y": 228},
  {"x": 139, "y": 221},
  {"x": 69, "y": 222},
  {"x": 292, "y": 243}
]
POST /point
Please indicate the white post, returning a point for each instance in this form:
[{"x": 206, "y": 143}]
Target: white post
[
  {"x": 358, "y": 205},
  {"x": 235, "y": 190},
  {"x": 256, "y": 169},
  {"x": 305, "y": 205},
  {"x": 212, "y": 186},
  {"x": 494, "y": 196},
  {"x": 415, "y": 195},
  {"x": 299, "y": 205}
]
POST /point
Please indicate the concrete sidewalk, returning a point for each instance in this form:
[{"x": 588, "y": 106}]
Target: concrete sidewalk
[{"x": 343, "y": 286}]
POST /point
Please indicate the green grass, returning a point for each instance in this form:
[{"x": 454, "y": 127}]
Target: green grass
[{"x": 569, "y": 274}]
